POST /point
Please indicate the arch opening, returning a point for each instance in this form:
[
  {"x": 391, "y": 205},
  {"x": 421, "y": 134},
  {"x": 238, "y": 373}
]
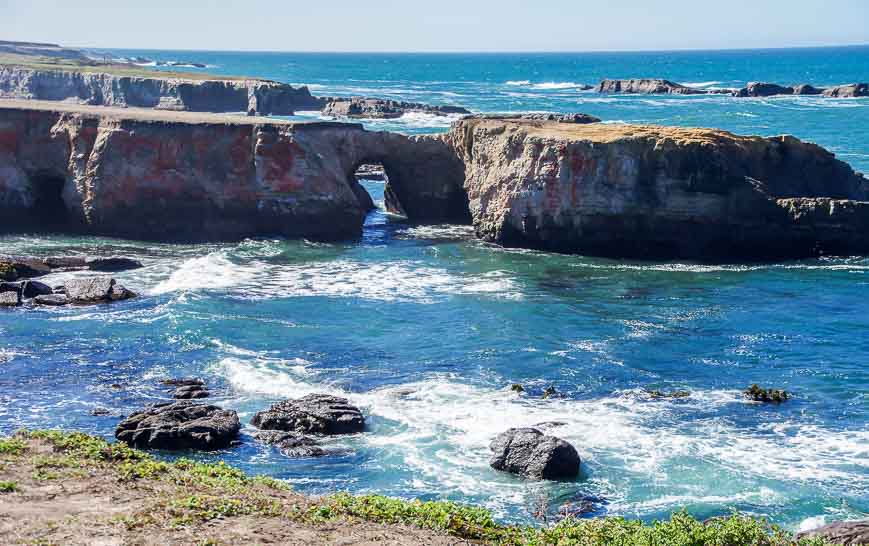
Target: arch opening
[
  {"x": 374, "y": 190},
  {"x": 49, "y": 210}
]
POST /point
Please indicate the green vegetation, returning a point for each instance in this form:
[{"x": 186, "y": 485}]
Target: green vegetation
[
  {"x": 8, "y": 487},
  {"x": 8, "y": 272},
  {"x": 72, "y": 65},
  {"x": 208, "y": 492},
  {"x": 759, "y": 394}
]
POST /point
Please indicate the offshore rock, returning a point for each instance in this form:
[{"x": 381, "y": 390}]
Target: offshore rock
[
  {"x": 541, "y": 116},
  {"x": 180, "y": 425},
  {"x": 806, "y": 89},
  {"x": 760, "y": 89},
  {"x": 312, "y": 414},
  {"x": 361, "y": 107},
  {"x": 51, "y": 300},
  {"x": 31, "y": 289},
  {"x": 112, "y": 264},
  {"x": 646, "y": 87},
  {"x": 658, "y": 192},
  {"x": 529, "y": 452},
  {"x": 846, "y": 533},
  {"x": 848, "y": 91},
  {"x": 190, "y": 392}
]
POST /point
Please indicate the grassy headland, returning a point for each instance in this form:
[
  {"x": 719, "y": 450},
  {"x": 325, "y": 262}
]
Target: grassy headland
[{"x": 70, "y": 488}]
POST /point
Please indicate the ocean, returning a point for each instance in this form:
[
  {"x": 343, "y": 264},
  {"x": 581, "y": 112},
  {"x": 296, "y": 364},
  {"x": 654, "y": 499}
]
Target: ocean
[{"x": 426, "y": 328}]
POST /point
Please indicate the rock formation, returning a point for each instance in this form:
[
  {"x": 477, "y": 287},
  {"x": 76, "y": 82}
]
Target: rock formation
[
  {"x": 647, "y": 87},
  {"x": 181, "y": 177},
  {"x": 260, "y": 97},
  {"x": 846, "y": 533},
  {"x": 180, "y": 425},
  {"x": 312, "y": 414},
  {"x": 852, "y": 90},
  {"x": 529, "y": 452},
  {"x": 291, "y": 444},
  {"x": 658, "y": 192},
  {"x": 361, "y": 107},
  {"x": 759, "y": 89}
]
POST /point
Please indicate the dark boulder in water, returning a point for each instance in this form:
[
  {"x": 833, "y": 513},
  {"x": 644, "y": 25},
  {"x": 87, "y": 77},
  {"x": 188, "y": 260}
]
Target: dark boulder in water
[
  {"x": 113, "y": 264},
  {"x": 531, "y": 453},
  {"x": 10, "y": 287},
  {"x": 759, "y": 394},
  {"x": 312, "y": 414},
  {"x": 180, "y": 425},
  {"x": 13, "y": 268},
  {"x": 183, "y": 382},
  {"x": 847, "y": 533},
  {"x": 291, "y": 444},
  {"x": 806, "y": 89},
  {"x": 31, "y": 289}
]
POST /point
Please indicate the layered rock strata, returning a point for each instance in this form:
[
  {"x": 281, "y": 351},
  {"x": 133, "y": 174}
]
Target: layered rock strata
[
  {"x": 658, "y": 192},
  {"x": 180, "y": 176},
  {"x": 159, "y": 92}
]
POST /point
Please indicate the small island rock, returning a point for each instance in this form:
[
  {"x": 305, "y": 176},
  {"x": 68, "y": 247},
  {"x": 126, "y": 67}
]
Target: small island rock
[
  {"x": 531, "y": 453},
  {"x": 180, "y": 425},
  {"x": 312, "y": 414}
]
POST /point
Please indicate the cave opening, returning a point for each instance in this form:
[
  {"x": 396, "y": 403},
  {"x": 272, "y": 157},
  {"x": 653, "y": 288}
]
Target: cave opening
[
  {"x": 373, "y": 179},
  {"x": 49, "y": 210}
]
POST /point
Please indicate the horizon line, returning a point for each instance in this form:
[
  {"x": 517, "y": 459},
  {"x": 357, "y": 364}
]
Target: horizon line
[{"x": 481, "y": 52}]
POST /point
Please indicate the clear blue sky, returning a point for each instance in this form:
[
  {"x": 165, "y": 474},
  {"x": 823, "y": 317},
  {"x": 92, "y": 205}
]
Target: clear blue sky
[{"x": 437, "y": 25}]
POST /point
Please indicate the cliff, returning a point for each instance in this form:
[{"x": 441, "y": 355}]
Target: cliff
[
  {"x": 658, "y": 192},
  {"x": 165, "y": 92},
  {"x": 179, "y": 176}
]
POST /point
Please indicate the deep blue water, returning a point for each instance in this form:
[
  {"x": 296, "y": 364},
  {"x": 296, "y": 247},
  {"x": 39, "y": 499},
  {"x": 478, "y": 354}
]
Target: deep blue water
[{"x": 426, "y": 328}]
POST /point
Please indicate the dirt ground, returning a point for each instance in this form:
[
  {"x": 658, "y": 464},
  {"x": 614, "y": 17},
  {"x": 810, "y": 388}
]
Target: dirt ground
[{"x": 95, "y": 507}]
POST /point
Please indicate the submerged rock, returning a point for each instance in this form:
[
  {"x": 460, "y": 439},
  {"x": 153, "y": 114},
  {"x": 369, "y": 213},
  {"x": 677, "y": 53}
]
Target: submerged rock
[
  {"x": 529, "y": 452},
  {"x": 96, "y": 290},
  {"x": 183, "y": 382},
  {"x": 180, "y": 425},
  {"x": 312, "y": 414},
  {"x": 846, "y": 533},
  {"x": 759, "y": 394},
  {"x": 291, "y": 444}
]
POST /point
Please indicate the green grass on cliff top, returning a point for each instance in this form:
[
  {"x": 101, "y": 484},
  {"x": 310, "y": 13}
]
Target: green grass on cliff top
[
  {"x": 70, "y": 65},
  {"x": 231, "y": 493}
]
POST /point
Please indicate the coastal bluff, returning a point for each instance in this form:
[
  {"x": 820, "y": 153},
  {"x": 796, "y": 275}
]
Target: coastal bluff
[
  {"x": 658, "y": 192},
  {"x": 574, "y": 185},
  {"x": 155, "y": 175}
]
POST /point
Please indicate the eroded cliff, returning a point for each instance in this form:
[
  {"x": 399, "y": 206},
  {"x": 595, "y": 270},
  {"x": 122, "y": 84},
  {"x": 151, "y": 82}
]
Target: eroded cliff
[
  {"x": 658, "y": 192},
  {"x": 179, "y": 176}
]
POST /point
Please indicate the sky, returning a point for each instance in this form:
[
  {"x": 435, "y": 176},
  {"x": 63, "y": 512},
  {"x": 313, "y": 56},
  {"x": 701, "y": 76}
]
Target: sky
[{"x": 438, "y": 25}]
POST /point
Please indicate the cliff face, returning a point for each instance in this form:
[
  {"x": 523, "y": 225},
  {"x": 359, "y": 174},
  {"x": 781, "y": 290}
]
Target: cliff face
[
  {"x": 176, "y": 177},
  {"x": 658, "y": 192},
  {"x": 103, "y": 89}
]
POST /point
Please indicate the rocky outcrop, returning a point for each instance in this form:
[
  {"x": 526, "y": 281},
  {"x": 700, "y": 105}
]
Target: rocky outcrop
[
  {"x": 646, "y": 87},
  {"x": 291, "y": 444},
  {"x": 260, "y": 97},
  {"x": 528, "y": 452},
  {"x": 541, "y": 116},
  {"x": 194, "y": 177},
  {"x": 26, "y": 267},
  {"x": 658, "y": 192},
  {"x": 312, "y": 414},
  {"x": 848, "y": 91},
  {"x": 180, "y": 425},
  {"x": 846, "y": 533},
  {"x": 95, "y": 290},
  {"x": 361, "y": 107},
  {"x": 760, "y": 89}
]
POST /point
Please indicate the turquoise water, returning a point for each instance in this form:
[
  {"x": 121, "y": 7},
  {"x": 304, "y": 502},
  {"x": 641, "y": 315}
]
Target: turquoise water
[{"x": 426, "y": 328}]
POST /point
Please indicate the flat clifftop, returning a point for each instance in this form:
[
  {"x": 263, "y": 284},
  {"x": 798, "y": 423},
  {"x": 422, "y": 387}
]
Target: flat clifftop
[
  {"x": 610, "y": 132},
  {"x": 149, "y": 114}
]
